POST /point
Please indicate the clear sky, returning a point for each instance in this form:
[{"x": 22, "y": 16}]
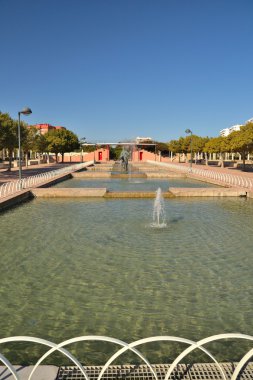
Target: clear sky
[{"x": 116, "y": 69}]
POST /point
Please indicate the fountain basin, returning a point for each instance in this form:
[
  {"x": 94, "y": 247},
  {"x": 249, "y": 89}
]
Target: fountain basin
[
  {"x": 128, "y": 175},
  {"x": 94, "y": 266},
  {"x": 103, "y": 192}
]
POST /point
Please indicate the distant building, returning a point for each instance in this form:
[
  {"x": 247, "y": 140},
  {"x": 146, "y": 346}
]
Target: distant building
[
  {"x": 44, "y": 128},
  {"x": 143, "y": 139},
  {"x": 225, "y": 132}
]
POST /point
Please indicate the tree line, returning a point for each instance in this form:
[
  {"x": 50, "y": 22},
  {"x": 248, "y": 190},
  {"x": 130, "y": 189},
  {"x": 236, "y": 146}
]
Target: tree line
[
  {"x": 57, "y": 141},
  {"x": 236, "y": 142},
  {"x": 60, "y": 141}
]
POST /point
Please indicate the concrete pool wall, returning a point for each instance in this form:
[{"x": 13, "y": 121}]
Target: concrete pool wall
[{"x": 101, "y": 171}]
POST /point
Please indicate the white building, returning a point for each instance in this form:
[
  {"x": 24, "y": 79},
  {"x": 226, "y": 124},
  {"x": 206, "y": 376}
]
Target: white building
[
  {"x": 225, "y": 132},
  {"x": 143, "y": 139}
]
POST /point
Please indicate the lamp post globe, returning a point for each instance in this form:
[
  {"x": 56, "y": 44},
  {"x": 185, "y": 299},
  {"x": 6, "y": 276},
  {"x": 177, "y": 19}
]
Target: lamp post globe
[{"x": 25, "y": 111}]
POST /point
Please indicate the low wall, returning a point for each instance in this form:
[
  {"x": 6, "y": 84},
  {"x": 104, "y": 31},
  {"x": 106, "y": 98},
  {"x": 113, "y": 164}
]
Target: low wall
[
  {"x": 24, "y": 195},
  {"x": 136, "y": 194},
  {"x": 55, "y": 180},
  {"x": 68, "y": 192},
  {"x": 164, "y": 175},
  {"x": 15, "y": 199},
  {"x": 91, "y": 174},
  {"x": 207, "y": 192}
]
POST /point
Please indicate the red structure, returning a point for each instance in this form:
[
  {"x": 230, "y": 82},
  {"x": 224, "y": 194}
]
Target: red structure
[
  {"x": 44, "y": 128},
  {"x": 100, "y": 154},
  {"x": 137, "y": 155}
]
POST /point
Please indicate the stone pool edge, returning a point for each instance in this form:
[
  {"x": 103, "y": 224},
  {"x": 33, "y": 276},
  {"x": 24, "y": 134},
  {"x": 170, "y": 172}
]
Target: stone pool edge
[{"x": 41, "y": 192}]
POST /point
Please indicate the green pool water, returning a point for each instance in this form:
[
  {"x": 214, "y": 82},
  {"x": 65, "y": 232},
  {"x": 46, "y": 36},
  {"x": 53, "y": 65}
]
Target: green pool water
[
  {"x": 80, "y": 267},
  {"x": 134, "y": 184}
]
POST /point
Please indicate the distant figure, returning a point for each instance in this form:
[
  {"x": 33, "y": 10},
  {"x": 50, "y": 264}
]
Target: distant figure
[{"x": 124, "y": 155}]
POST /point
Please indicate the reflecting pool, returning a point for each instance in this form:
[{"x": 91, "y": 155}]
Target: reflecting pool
[
  {"x": 79, "y": 267},
  {"x": 134, "y": 184}
]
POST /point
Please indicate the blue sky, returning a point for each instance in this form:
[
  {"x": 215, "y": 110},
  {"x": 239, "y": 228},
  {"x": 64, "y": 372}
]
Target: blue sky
[{"x": 116, "y": 69}]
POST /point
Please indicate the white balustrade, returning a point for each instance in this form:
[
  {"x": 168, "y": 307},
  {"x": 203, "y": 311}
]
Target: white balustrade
[
  {"x": 227, "y": 179},
  {"x": 191, "y": 346},
  {"x": 12, "y": 187}
]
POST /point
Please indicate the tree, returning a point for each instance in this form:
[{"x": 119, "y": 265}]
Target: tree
[
  {"x": 242, "y": 141},
  {"x": 198, "y": 144},
  {"x": 61, "y": 141},
  {"x": 8, "y": 135},
  {"x": 157, "y": 146},
  {"x": 174, "y": 147},
  {"x": 40, "y": 143},
  {"x": 218, "y": 145},
  {"x": 115, "y": 152},
  {"x": 89, "y": 148},
  {"x": 179, "y": 146},
  {"x": 28, "y": 141},
  {"x": 162, "y": 147}
]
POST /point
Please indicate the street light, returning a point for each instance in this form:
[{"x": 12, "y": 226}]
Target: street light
[
  {"x": 82, "y": 142},
  {"x": 26, "y": 111},
  {"x": 189, "y": 131}
]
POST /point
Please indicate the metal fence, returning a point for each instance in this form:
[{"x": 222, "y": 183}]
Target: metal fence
[
  {"x": 13, "y": 187},
  {"x": 123, "y": 347},
  {"x": 223, "y": 178}
]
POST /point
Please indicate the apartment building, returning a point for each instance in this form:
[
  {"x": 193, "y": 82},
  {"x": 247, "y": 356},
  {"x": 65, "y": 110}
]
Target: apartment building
[
  {"x": 226, "y": 131},
  {"x": 44, "y": 128}
]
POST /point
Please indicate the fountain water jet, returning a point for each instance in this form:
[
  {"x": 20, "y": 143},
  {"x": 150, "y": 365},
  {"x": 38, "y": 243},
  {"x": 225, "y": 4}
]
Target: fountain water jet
[{"x": 158, "y": 211}]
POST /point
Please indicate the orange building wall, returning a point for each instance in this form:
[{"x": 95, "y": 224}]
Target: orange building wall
[
  {"x": 105, "y": 152},
  {"x": 99, "y": 155},
  {"x": 143, "y": 155}
]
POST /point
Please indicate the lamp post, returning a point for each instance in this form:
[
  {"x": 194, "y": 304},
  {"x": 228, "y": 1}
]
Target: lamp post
[
  {"x": 26, "y": 111},
  {"x": 188, "y": 131},
  {"x": 82, "y": 142}
]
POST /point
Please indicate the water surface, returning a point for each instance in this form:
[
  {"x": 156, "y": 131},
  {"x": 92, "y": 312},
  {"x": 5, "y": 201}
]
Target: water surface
[
  {"x": 134, "y": 184},
  {"x": 77, "y": 267}
]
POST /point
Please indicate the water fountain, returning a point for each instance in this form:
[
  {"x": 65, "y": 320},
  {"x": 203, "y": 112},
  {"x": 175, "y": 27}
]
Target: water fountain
[
  {"x": 181, "y": 269},
  {"x": 122, "y": 169},
  {"x": 158, "y": 211},
  {"x": 109, "y": 244},
  {"x": 124, "y": 155}
]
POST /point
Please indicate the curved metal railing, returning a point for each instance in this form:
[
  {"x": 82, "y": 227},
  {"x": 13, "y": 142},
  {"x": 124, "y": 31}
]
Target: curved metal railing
[
  {"x": 192, "y": 345},
  {"x": 224, "y": 178},
  {"x": 13, "y": 187}
]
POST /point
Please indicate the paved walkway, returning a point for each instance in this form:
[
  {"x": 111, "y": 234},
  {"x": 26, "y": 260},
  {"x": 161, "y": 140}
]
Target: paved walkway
[
  {"x": 13, "y": 175},
  {"x": 218, "y": 169}
]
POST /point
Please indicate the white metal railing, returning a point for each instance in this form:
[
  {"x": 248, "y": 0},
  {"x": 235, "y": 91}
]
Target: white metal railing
[
  {"x": 12, "y": 187},
  {"x": 224, "y": 178},
  {"x": 191, "y": 346}
]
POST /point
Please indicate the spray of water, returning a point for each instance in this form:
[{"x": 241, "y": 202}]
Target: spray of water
[{"x": 158, "y": 211}]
